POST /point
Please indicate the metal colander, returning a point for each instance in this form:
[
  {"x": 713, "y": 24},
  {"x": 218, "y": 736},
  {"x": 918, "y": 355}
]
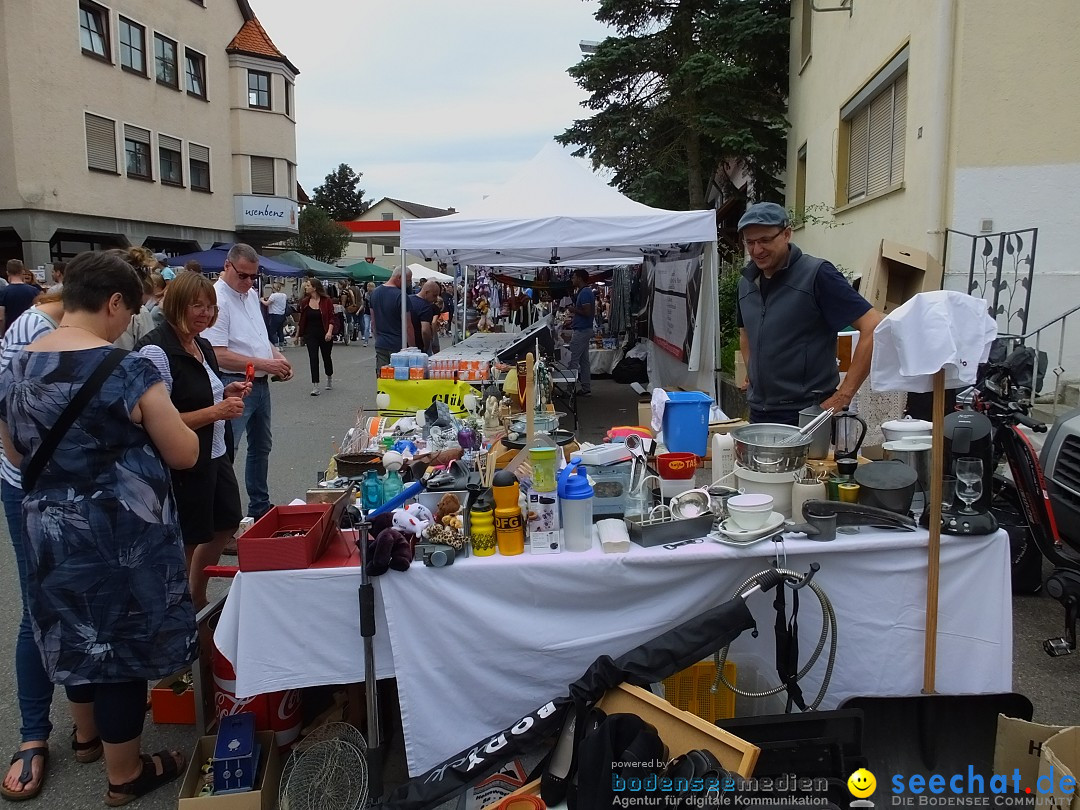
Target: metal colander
[{"x": 760, "y": 448}]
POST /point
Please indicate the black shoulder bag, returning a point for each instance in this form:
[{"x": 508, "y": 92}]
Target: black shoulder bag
[{"x": 68, "y": 416}]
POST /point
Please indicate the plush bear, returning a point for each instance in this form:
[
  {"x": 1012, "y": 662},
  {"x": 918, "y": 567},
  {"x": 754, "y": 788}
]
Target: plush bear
[
  {"x": 448, "y": 505},
  {"x": 381, "y": 550},
  {"x": 401, "y": 555}
]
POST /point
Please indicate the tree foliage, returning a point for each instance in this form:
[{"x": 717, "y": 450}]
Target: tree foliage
[
  {"x": 321, "y": 236},
  {"x": 686, "y": 87},
  {"x": 339, "y": 195}
]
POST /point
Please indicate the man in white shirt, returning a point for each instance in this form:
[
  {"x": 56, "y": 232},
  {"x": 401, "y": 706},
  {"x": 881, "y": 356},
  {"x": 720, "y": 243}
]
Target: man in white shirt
[
  {"x": 239, "y": 338},
  {"x": 276, "y": 303}
]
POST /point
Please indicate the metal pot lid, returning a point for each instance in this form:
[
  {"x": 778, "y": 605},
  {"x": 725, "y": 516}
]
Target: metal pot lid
[{"x": 884, "y": 475}]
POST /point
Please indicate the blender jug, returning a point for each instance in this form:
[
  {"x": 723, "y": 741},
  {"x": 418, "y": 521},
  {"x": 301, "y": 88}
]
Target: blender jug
[{"x": 848, "y": 433}]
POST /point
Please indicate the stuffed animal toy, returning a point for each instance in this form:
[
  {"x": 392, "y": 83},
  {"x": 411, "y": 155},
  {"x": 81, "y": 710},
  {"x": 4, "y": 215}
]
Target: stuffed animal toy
[
  {"x": 389, "y": 549},
  {"x": 448, "y": 505},
  {"x": 413, "y": 519}
]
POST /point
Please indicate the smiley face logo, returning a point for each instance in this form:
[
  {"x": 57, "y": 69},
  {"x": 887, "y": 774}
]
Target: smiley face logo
[{"x": 862, "y": 783}]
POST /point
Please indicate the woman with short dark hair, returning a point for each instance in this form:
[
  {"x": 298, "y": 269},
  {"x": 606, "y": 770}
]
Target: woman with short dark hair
[
  {"x": 207, "y": 495},
  {"x": 106, "y": 581}
]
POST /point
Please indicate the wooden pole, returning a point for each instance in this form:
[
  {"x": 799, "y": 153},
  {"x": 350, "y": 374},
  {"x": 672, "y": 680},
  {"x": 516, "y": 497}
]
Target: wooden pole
[{"x": 933, "y": 570}]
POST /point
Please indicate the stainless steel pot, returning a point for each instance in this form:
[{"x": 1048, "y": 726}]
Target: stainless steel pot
[{"x": 758, "y": 448}]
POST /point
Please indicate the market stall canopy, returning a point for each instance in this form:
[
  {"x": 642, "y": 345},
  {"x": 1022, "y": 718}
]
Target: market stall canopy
[
  {"x": 313, "y": 266},
  {"x": 422, "y": 273},
  {"x": 366, "y": 271},
  {"x": 555, "y": 210},
  {"x": 213, "y": 261}
]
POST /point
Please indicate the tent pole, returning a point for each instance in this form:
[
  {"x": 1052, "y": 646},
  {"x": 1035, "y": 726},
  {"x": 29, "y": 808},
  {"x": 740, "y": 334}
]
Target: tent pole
[
  {"x": 465, "y": 305},
  {"x": 404, "y": 303}
]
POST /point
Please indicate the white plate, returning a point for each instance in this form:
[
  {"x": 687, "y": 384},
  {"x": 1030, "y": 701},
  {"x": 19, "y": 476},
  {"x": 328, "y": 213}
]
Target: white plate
[{"x": 729, "y": 531}]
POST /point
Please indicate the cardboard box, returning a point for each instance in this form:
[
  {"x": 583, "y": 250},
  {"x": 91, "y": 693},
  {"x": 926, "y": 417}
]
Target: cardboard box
[
  {"x": 267, "y": 779},
  {"x": 172, "y": 700},
  {"x": 644, "y": 412},
  {"x": 1058, "y": 768},
  {"x": 680, "y": 730},
  {"x": 900, "y": 273},
  {"x": 1019, "y": 746}
]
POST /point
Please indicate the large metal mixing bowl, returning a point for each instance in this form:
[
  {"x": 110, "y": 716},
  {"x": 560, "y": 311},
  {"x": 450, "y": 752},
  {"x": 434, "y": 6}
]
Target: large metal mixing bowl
[{"x": 759, "y": 448}]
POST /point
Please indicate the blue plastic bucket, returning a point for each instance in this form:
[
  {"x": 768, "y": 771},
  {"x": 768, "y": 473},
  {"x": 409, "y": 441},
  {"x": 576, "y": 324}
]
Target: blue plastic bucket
[{"x": 686, "y": 422}]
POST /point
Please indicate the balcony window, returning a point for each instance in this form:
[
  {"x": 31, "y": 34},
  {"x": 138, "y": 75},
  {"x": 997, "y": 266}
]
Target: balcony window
[
  {"x": 196, "y": 73},
  {"x": 132, "y": 47},
  {"x": 137, "y": 150},
  {"x": 258, "y": 90},
  {"x": 199, "y": 167},
  {"x": 94, "y": 30},
  {"x": 288, "y": 98},
  {"x": 165, "y": 62},
  {"x": 170, "y": 161},
  {"x": 262, "y": 175}
]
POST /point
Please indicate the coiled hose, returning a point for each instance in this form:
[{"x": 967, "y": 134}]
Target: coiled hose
[{"x": 828, "y": 626}]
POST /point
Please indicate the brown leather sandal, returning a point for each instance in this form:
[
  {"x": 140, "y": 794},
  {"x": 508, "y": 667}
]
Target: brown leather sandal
[
  {"x": 148, "y": 779},
  {"x": 26, "y": 756},
  {"x": 86, "y": 752}
]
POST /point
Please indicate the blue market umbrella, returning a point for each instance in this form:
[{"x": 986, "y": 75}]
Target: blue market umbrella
[{"x": 213, "y": 261}]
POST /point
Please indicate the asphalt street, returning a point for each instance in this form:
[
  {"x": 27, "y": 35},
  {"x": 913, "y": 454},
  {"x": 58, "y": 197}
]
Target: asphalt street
[{"x": 305, "y": 430}]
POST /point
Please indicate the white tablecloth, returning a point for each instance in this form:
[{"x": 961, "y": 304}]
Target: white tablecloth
[{"x": 478, "y": 645}]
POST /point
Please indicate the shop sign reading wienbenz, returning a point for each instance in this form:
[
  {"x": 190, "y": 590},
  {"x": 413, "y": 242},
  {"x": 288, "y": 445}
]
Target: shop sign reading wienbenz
[{"x": 265, "y": 213}]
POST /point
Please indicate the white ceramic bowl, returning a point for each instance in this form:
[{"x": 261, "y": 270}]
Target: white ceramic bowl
[
  {"x": 750, "y": 512},
  {"x": 906, "y": 428}
]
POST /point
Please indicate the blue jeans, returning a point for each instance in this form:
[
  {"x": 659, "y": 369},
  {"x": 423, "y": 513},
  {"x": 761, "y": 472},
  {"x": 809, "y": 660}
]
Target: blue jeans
[
  {"x": 33, "y": 684},
  {"x": 579, "y": 358},
  {"x": 365, "y": 326},
  {"x": 256, "y": 423},
  {"x": 277, "y": 337}
]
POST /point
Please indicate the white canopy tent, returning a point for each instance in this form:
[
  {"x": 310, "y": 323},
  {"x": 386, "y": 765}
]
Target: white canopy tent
[
  {"x": 556, "y": 211},
  {"x": 422, "y": 273}
]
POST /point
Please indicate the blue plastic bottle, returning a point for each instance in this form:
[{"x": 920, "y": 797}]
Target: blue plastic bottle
[
  {"x": 371, "y": 491},
  {"x": 391, "y": 486}
]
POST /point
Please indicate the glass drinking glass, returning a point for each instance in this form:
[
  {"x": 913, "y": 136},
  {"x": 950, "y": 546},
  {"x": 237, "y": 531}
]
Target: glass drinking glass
[{"x": 969, "y": 474}]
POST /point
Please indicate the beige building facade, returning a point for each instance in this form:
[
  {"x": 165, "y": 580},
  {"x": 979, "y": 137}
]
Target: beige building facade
[
  {"x": 917, "y": 117},
  {"x": 164, "y": 123}
]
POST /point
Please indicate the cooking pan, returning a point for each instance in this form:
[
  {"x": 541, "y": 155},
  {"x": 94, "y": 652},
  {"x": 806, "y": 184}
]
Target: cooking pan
[{"x": 887, "y": 485}]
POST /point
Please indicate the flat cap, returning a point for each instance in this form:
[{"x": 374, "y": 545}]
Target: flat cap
[{"x": 766, "y": 213}]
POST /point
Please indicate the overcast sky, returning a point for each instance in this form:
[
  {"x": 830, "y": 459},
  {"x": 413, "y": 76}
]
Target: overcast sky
[{"x": 435, "y": 101}]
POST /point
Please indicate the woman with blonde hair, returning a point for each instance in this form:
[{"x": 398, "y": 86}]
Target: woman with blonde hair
[{"x": 207, "y": 495}]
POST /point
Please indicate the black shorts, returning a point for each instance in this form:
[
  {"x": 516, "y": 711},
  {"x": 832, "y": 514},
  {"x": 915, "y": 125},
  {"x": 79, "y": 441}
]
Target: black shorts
[{"x": 207, "y": 500}]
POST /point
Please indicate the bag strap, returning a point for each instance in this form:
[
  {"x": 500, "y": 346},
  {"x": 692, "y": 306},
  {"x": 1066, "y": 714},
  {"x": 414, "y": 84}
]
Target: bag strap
[{"x": 68, "y": 416}]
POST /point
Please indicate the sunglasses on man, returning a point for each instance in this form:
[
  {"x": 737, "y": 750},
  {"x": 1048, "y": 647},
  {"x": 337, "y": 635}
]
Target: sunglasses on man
[{"x": 242, "y": 276}]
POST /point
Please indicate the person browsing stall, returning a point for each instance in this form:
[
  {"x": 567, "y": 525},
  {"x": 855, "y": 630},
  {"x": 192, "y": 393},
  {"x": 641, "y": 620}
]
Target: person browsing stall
[
  {"x": 386, "y": 319},
  {"x": 791, "y": 306},
  {"x": 423, "y": 312},
  {"x": 584, "y": 311},
  {"x": 239, "y": 337},
  {"x": 207, "y": 495}
]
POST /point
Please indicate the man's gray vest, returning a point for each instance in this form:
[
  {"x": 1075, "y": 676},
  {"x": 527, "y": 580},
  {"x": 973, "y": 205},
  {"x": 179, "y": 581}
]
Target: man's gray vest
[{"x": 792, "y": 348}]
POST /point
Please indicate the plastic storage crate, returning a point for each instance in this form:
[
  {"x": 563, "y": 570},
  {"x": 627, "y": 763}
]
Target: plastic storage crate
[{"x": 691, "y": 691}]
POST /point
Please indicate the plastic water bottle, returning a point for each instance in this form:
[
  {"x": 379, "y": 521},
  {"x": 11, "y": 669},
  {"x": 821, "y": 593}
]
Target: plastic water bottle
[{"x": 576, "y": 501}]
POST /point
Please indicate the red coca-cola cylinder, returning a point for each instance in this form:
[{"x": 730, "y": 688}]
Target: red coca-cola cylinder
[{"x": 280, "y": 712}]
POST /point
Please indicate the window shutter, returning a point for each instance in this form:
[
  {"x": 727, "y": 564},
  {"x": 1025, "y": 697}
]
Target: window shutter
[
  {"x": 197, "y": 152},
  {"x": 857, "y": 151},
  {"x": 262, "y": 175},
  {"x": 169, "y": 142},
  {"x": 137, "y": 134},
  {"x": 881, "y": 138},
  {"x": 899, "y": 130},
  {"x": 100, "y": 143}
]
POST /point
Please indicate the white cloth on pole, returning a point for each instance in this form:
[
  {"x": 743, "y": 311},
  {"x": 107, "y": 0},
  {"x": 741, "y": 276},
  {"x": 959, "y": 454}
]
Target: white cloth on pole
[{"x": 935, "y": 331}]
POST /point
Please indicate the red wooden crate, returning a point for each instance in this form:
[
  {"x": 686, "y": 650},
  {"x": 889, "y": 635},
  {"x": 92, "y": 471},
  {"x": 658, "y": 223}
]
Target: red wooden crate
[{"x": 258, "y": 549}]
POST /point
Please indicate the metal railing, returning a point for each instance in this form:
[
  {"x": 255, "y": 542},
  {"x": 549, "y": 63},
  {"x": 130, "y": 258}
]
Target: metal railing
[{"x": 1058, "y": 369}]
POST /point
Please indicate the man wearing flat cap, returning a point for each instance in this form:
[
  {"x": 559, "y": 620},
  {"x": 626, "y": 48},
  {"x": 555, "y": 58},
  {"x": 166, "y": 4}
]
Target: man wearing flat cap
[{"x": 791, "y": 306}]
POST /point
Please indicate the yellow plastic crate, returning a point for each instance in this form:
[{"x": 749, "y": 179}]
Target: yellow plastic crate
[{"x": 691, "y": 691}]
